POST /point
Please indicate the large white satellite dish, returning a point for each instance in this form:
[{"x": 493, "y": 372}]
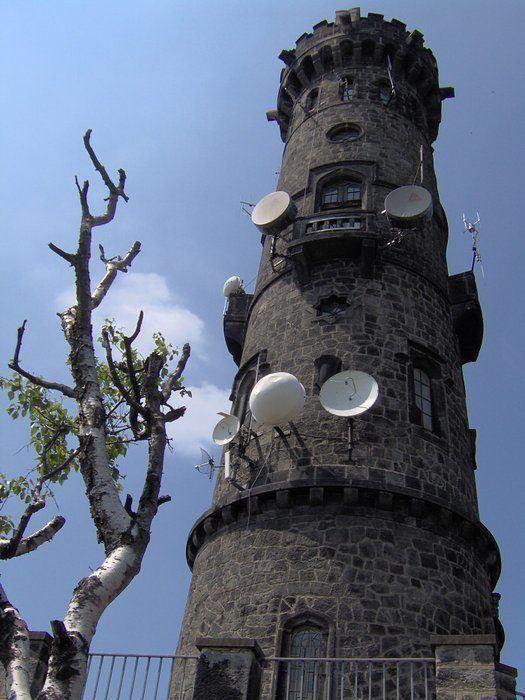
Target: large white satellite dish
[
  {"x": 349, "y": 393},
  {"x": 274, "y": 213},
  {"x": 233, "y": 285},
  {"x": 408, "y": 205},
  {"x": 226, "y": 429},
  {"x": 277, "y": 399}
]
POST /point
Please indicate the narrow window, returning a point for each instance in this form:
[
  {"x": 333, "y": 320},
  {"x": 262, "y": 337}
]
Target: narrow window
[
  {"x": 330, "y": 195},
  {"x": 328, "y": 365},
  {"x": 303, "y": 680},
  {"x": 352, "y": 192},
  {"x": 341, "y": 194},
  {"x": 423, "y": 397},
  {"x": 311, "y": 100},
  {"x": 346, "y": 89},
  {"x": 385, "y": 93},
  {"x": 242, "y": 408}
]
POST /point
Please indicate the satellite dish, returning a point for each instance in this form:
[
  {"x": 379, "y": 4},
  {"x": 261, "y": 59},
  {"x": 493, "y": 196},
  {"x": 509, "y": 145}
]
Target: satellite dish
[
  {"x": 274, "y": 213},
  {"x": 277, "y": 399},
  {"x": 226, "y": 429},
  {"x": 349, "y": 393},
  {"x": 233, "y": 285},
  {"x": 410, "y": 205}
]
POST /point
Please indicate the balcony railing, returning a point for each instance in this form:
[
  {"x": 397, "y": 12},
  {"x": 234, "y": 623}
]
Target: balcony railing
[
  {"x": 139, "y": 677},
  {"x": 159, "y": 677},
  {"x": 354, "y": 679}
]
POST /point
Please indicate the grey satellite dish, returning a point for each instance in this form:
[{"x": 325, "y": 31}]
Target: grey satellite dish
[
  {"x": 274, "y": 213},
  {"x": 349, "y": 393},
  {"x": 226, "y": 429},
  {"x": 408, "y": 206}
]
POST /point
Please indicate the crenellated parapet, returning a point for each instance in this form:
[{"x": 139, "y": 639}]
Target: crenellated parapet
[{"x": 336, "y": 49}]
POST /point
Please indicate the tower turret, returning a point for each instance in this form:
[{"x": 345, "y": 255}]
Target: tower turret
[{"x": 375, "y": 542}]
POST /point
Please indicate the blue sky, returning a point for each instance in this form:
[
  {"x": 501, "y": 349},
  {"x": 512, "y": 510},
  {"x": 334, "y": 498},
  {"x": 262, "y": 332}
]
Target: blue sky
[{"x": 176, "y": 93}]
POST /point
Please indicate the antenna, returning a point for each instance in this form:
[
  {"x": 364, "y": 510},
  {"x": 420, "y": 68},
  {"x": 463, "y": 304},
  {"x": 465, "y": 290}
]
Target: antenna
[
  {"x": 247, "y": 204},
  {"x": 274, "y": 212},
  {"x": 233, "y": 285},
  {"x": 348, "y": 394},
  {"x": 277, "y": 399},
  {"x": 226, "y": 429},
  {"x": 207, "y": 465},
  {"x": 472, "y": 228},
  {"x": 407, "y": 208},
  {"x": 393, "y": 93}
]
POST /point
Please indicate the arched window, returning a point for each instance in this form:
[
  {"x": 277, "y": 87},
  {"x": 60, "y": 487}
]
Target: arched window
[
  {"x": 344, "y": 193},
  {"x": 385, "y": 93},
  {"x": 311, "y": 100},
  {"x": 303, "y": 680},
  {"x": 423, "y": 397},
  {"x": 242, "y": 408},
  {"x": 328, "y": 365},
  {"x": 346, "y": 89}
]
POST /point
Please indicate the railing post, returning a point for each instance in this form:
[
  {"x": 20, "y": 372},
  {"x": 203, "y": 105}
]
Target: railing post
[
  {"x": 228, "y": 669},
  {"x": 465, "y": 664}
]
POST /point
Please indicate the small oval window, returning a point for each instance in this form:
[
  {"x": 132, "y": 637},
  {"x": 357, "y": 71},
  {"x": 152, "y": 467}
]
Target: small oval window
[{"x": 344, "y": 132}]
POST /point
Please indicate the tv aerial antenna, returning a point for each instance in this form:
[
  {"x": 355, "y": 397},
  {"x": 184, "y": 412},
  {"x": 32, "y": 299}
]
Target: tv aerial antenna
[
  {"x": 349, "y": 394},
  {"x": 393, "y": 93},
  {"x": 207, "y": 465},
  {"x": 471, "y": 227},
  {"x": 244, "y": 206}
]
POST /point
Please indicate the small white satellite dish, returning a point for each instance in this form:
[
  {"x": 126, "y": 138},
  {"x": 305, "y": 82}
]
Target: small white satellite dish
[
  {"x": 274, "y": 213},
  {"x": 226, "y": 429},
  {"x": 233, "y": 285},
  {"x": 277, "y": 399},
  {"x": 349, "y": 393},
  {"x": 409, "y": 205}
]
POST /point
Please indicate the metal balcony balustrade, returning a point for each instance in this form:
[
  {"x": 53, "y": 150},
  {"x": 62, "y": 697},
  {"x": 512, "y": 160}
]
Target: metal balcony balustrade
[
  {"x": 157, "y": 677},
  {"x": 139, "y": 677},
  {"x": 330, "y": 223},
  {"x": 354, "y": 679}
]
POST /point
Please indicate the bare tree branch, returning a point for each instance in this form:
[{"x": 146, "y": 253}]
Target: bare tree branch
[
  {"x": 113, "y": 266},
  {"x": 174, "y": 414},
  {"x": 82, "y": 193},
  {"x": 115, "y": 376},
  {"x": 15, "y": 366},
  {"x": 115, "y": 191},
  {"x": 70, "y": 257},
  {"x": 170, "y": 383},
  {"x": 128, "y": 342}
]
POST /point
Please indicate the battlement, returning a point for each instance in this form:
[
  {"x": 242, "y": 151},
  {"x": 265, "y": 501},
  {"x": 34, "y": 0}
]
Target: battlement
[{"x": 352, "y": 42}]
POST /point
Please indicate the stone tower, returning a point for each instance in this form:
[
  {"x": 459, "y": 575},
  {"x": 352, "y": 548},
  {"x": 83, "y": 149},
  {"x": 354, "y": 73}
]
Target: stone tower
[{"x": 379, "y": 549}]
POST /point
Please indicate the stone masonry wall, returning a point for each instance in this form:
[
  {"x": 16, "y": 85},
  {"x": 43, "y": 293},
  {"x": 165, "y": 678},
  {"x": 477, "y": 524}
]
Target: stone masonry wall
[{"x": 385, "y": 586}]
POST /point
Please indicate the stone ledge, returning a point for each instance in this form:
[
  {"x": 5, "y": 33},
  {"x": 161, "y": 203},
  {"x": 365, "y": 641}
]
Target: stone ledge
[
  {"x": 370, "y": 500},
  {"x": 230, "y": 643},
  {"x": 462, "y": 639}
]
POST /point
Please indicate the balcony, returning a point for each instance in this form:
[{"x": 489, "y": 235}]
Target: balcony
[{"x": 327, "y": 236}]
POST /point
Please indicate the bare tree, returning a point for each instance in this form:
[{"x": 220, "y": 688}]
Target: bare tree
[{"x": 144, "y": 389}]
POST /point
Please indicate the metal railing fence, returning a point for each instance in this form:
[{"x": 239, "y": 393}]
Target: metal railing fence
[
  {"x": 139, "y": 677},
  {"x": 354, "y": 679}
]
